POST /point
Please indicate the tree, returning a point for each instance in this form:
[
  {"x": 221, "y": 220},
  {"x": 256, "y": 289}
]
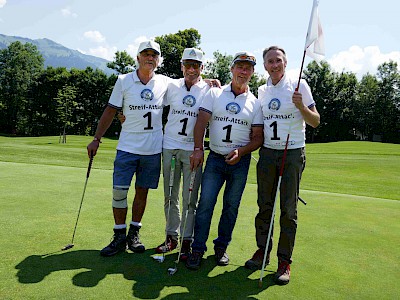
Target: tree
[
  {"x": 321, "y": 81},
  {"x": 123, "y": 63},
  {"x": 66, "y": 103},
  {"x": 255, "y": 82},
  {"x": 172, "y": 46},
  {"x": 20, "y": 65},
  {"x": 219, "y": 68},
  {"x": 42, "y": 113},
  {"x": 388, "y": 105},
  {"x": 364, "y": 109}
]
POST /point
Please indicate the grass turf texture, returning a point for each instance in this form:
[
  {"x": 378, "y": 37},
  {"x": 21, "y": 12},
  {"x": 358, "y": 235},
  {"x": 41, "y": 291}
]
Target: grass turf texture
[{"x": 347, "y": 245}]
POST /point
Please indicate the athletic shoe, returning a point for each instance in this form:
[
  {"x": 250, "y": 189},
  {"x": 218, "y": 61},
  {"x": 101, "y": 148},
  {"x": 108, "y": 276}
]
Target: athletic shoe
[
  {"x": 255, "y": 263},
  {"x": 133, "y": 240},
  {"x": 221, "y": 257},
  {"x": 185, "y": 251},
  {"x": 170, "y": 244},
  {"x": 194, "y": 260},
  {"x": 118, "y": 243},
  {"x": 282, "y": 275}
]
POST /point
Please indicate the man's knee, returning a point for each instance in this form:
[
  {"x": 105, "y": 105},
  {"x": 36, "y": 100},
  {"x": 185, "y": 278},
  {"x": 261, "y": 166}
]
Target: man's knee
[{"x": 120, "y": 198}]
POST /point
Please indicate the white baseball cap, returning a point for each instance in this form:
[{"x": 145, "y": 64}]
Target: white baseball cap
[
  {"x": 152, "y": 45},
  {"x": 192, "y": 54},
  {"x": 244, "y": 56}
]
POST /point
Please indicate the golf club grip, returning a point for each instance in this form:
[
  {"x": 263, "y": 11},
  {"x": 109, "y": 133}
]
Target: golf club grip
[
  {"x": 192, "y": 178},
  {"x": 171, "y": 175},
  {"x": 90, "y": 165}
]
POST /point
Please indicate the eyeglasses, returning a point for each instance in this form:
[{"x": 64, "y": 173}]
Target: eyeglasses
[
  {"x": 245, "y": 57},
  {"x": 193, "y": 65}
]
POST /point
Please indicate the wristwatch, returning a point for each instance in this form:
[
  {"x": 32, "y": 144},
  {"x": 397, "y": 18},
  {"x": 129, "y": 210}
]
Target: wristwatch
[{"x": 95, "y": 139}]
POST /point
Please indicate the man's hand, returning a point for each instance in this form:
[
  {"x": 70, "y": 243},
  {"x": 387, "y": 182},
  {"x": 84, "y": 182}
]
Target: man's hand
[
  {"x": 92, "y": 148},
  {"x": 297, "y": 100},
  {"x": 213, "y": 82},
  {"x": 121, "y": 117},
  {"x": 233, "y": 157},
  {"x": 196, "y": 159}
]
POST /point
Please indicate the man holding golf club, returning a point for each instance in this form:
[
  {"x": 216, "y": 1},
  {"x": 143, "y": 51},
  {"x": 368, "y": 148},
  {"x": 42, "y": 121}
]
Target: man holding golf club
[
  {"x": 184, "y": 97},
  {"x": 140, "y": 95},
  {"x": 286, "y": 110},
  {"x": 235, "y": 124}
]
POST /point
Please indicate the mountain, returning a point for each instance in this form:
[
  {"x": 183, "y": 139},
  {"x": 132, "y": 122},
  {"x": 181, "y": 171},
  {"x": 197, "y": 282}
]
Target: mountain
[{"x": 56, "y": 55}]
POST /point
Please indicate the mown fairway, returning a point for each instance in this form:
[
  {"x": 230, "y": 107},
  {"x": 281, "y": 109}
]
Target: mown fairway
[{"x": 347, "y": 245}]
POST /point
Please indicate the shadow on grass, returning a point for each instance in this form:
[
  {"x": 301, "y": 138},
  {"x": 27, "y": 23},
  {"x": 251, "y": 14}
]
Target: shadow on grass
[{"x": 149, "y": 276}]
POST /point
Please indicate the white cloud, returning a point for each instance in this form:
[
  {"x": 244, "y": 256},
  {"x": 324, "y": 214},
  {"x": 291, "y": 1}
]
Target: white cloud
[
  {"x": 2, "y": 3},
  {"x": 94, "y": 36},
  {"x": 362, "y": 60},
  {"x": 132, "y": 48},
  {"x": 66, "y": 12},
  {"x": 103, "y": 52}
]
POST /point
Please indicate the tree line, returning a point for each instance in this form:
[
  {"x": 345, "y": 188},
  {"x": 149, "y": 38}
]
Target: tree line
[{"x": 37, "y": 101}]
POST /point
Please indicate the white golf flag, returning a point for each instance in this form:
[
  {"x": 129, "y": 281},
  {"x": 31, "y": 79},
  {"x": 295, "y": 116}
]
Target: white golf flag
[{"x": 315, "y": 35}]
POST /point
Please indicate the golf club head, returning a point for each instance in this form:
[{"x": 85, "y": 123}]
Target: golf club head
[
  {"x": 69, "y": 246},
  {"x": 159, "y": 258},
  {"x": 172, "y": 271}
]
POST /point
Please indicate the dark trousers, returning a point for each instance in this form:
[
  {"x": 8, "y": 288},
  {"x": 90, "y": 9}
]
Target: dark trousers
[{"x": 268, "y": 168}]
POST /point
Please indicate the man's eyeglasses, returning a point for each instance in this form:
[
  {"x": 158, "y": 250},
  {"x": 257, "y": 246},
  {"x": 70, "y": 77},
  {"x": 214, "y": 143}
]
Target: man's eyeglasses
[{"x": 193, "y": 65}]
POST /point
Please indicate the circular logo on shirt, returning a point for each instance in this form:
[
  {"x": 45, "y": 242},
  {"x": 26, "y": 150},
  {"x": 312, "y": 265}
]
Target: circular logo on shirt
[
  {"x": 274, "y": 104},
  {"x": 147, "y": 95},
  {"x": 233, "y": 108},
  {"x": 189, "y": 101}
]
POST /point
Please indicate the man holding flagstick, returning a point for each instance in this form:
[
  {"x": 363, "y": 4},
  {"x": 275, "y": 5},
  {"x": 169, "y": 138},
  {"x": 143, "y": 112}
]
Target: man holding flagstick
[{"x": 287, "y": 105}]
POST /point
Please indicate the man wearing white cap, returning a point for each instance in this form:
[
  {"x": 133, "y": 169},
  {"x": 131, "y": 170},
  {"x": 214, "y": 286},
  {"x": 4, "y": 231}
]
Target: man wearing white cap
[
  {"x": 236, "y": 129},
  {"x": 184, "y": 97},
  {"x": 139, "y": 95}
]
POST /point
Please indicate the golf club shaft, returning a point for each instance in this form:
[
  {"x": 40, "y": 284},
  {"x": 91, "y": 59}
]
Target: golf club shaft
[
  {"x": 171, "y": 184},
  {"x": 83, "y": 195},
  {"x": 192, "y": 178}
]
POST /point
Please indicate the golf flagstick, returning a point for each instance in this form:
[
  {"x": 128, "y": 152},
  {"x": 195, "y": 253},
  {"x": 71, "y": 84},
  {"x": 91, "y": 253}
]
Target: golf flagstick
[
  {"x": 69, "y": 246},
  {"x": 172, "y": 271}
]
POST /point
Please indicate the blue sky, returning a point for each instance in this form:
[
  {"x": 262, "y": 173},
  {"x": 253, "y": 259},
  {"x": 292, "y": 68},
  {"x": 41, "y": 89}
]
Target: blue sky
[{"x": 358, "y": 36}]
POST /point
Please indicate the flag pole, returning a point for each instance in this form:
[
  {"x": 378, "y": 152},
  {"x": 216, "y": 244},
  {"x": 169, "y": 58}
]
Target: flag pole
[{"x": 301, "y": 70}]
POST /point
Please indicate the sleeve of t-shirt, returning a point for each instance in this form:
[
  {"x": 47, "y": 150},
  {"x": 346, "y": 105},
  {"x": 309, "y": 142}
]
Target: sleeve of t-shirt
[
  {"x": 116, "y": 98},
  {"x": 208, "y": 102},
  {"x": 258, "y": 117},
  {"x": 307, "y": 96},
  {"x": 261, "y": 92},
  {"x": 168, "y": 95}
]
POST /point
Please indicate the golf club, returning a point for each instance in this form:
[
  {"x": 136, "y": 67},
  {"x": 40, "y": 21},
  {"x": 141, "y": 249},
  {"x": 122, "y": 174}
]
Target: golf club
[
  {"x": 69, "y": 246},
  {"x": 172, "y": 271},
  {"x": 161, "y": 258}
]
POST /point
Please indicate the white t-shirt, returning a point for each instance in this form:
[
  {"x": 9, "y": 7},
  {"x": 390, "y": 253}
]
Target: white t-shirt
[
  {"x": 142, "y": 105},
  {"x": 231, "y": 118},
  {"x": 280, "y": 114},
  {"x": 184, "y": 109}
]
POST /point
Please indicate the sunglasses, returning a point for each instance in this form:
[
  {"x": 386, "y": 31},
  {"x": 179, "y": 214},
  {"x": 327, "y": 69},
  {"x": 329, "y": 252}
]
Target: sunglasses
[
  {"x": 245, "y": 57},
  {"x": 194, "y": 65}
]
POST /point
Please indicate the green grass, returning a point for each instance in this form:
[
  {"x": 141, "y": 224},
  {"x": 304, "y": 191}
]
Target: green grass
[{"x": 346, "y": 247}]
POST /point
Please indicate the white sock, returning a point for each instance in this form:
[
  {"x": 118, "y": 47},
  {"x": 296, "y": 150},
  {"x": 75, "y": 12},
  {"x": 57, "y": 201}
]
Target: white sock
[
  {"x": 120, "y": 226},
  {"x": 137, "y": 224}
]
